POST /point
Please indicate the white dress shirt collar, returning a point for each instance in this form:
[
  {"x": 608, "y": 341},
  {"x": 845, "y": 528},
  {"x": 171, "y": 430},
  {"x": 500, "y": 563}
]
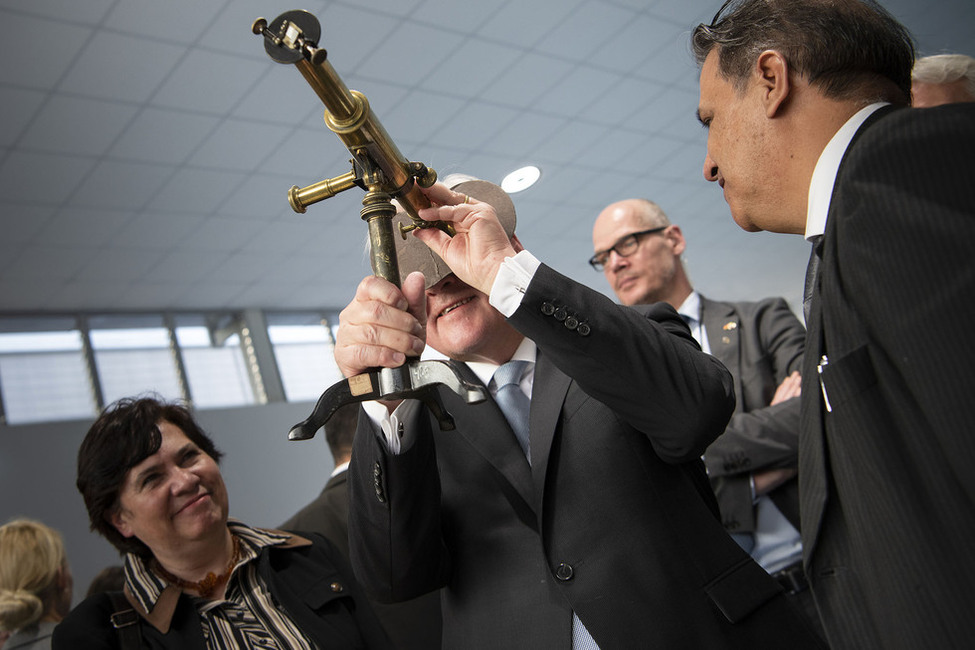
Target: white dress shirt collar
[
  {"x": 485, "y": 371},
  {"x": 824, "y": 175}
]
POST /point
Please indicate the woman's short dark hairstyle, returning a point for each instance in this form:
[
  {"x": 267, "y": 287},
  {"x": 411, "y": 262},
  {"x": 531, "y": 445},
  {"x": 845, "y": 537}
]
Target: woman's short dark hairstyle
[
  {"x": 849, "y": 49},
  {"x": 125, "y": 434}
]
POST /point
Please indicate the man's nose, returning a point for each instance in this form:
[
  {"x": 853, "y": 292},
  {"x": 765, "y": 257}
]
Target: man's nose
[
  {"x": 615, "y": 261},
  {"x": 710, "y": 169}
]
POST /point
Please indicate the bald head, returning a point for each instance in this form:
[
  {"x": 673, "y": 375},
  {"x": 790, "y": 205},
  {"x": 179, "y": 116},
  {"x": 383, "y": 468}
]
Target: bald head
[{"x": 641, "y": 267}]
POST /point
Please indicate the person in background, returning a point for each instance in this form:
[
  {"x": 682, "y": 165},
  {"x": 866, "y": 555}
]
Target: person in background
[
  {"x": 943, "y": 79},
  {"x": 752, "y": 465},
  {"x": 570, "y": 508},
  {"x": 111, "y": 578},
  {"x": 194, "y": 579},
  {"x": 35, "y": 583},
  {"x": 806, "y": 103},
  {"x": 411, "y": 625}
]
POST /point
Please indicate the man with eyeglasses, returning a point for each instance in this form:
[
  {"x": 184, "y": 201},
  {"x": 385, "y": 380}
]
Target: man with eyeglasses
[{"x": 752, "y": 466}]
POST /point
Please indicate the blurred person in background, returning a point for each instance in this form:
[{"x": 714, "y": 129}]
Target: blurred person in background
[{"x": 35, "y": 583}]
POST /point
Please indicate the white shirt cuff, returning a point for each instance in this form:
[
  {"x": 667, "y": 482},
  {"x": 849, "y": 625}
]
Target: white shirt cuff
[
  {"x": 511, "y": 282},
  {"x": 397, "y": 427}
]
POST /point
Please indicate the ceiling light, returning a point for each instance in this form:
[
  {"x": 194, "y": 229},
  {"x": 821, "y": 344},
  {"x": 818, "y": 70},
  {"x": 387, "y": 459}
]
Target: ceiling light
[{"x": 521, "y": 179}]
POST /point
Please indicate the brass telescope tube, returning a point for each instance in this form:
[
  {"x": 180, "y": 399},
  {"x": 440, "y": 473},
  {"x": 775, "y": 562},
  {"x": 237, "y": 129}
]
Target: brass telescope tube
[{"x": 348, "y": 115}]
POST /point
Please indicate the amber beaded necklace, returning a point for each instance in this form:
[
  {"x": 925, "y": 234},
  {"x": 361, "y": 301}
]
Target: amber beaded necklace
[{"x": 209, "y": 584}]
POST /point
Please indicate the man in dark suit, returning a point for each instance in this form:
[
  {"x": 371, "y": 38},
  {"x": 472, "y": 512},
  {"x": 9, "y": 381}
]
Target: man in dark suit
[
  {"x": 411, "y": 625},
  {"x": 752, "y": 466},
  {"x": 598, "y": 528},
  {"x": 800, "y": 139}
]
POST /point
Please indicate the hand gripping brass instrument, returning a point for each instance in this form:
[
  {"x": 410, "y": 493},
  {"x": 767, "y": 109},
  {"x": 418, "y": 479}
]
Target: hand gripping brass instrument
[{"x": 384, "y": 173}]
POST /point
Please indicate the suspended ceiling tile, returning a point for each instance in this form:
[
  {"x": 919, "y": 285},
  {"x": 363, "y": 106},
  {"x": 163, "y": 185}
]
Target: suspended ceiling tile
[
  {"x": 74, "y": 125},
  {"x": 38, "y": 66},
  {"x": 119, "y": 67},
  {"x": 121, "y": 185},
  {"x": 163, "y": 135}
]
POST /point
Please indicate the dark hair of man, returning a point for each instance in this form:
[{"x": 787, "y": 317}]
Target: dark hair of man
[
  {"x": 340, "y": 429},
  {"x": 123, "y": 436},
  {"x": 849, "y": 49}
]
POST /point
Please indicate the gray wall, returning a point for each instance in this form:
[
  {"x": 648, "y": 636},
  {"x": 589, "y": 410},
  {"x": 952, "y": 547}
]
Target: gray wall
[{"x": 268, "y": 477}]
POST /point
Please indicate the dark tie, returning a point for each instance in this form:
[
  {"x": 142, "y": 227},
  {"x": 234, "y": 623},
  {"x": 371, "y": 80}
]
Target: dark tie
[
  {"x": 513, "y": 402},
  {"x": 812, "y": 275}
]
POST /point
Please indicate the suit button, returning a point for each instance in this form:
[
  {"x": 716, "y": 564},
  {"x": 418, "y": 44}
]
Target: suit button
[
  {"x": 336, "y": 587},
  {"x": 571, "y": 322},
  {"x": 548, "y": 308},
  {"x": 564, "y": 572},
  {"x": 560, "y": 314},
  {"x": 583, "y": 329}
]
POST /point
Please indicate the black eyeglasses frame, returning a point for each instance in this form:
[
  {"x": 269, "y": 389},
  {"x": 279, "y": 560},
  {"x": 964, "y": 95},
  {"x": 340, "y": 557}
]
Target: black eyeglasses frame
[{"x": 599, "y": 264}]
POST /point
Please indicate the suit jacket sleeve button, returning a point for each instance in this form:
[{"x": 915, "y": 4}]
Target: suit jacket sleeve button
[
  {"x": 548, "y": 308},
  {"x": 583, "y": 329},
  {"x": 564, "y": 572},
  {"x": 571, "y": 322},
  {"x": 560, "y": 314}
]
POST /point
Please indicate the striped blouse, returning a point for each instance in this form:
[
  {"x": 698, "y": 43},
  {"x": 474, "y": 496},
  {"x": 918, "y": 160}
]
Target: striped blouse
[{"x": 247, "y": 616}]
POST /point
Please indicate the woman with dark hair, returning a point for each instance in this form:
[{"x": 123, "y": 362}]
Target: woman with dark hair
[{"x": 193, "y": 577}]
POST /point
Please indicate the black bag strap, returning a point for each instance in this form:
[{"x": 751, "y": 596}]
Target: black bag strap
[{"x": 125, "y": 620}]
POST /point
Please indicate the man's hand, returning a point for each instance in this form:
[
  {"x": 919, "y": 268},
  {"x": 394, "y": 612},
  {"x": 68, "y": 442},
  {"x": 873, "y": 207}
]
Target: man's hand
[
  {"x": 790, "y": 387},
  {"x": 382, "y": 325},
  {"x": 768, "y": 480},
  {"x": 480, "y": 244}
]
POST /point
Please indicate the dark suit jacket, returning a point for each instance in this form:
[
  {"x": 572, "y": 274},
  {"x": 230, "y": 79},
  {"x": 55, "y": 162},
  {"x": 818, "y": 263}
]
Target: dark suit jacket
[
  {"x": 300, "y": 576},
  {"x": 760, "y": 343},
  {"x": 614, "y": 519},
  {"x": 411, "y": 625},
  {"x": 888, "y": 492}
]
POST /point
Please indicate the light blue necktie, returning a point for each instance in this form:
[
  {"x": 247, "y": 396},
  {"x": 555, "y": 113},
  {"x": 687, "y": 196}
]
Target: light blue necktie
[
  {"x": 516, "y": 407},
  {"x": 513, "y": 402}
]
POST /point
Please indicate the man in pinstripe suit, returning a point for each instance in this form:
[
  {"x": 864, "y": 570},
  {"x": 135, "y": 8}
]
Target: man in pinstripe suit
[{"x": 805, "y": 102}]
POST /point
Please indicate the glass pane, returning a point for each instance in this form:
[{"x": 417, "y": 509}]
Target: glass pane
[
  {"x": 302, "y": 346},
  {"x": 43, "y": 377},
  {"x": 217, "y": 375},
  {"x": 133, "y": 360}
]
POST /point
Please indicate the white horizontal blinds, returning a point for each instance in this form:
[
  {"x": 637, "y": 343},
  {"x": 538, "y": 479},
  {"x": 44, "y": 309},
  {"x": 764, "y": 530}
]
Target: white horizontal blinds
[
  {"x": 43, "y": 377},
  {"x": 303, "y": 347},
  {"x": 133, "y": 357},
  {"x": 216, "y": 371}
]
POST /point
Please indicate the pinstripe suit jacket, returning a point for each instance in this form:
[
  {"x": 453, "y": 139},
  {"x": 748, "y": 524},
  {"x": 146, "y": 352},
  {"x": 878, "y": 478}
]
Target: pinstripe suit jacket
[{"x": 886, "y": 481}]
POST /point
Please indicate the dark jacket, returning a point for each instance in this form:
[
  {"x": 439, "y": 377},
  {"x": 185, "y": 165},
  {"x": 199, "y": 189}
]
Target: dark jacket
[
  {"x": 885, "y": 475},
  {"x": 614, "y": 519},
  {"x": 760, "y": 343},
  {"x": 307, "y": 577},
  {"x": 412, "y": 624}
]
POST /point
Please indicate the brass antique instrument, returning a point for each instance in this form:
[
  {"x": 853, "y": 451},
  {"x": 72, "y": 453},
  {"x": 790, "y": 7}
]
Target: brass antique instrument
[{"x": 384, "y": 173}]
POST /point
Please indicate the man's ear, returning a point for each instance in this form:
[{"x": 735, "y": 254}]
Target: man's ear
[
  {"x": 772, "y": 71},
  {"x": 675, "y": 237}
]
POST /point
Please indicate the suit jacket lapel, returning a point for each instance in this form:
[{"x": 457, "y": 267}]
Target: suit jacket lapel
[
  {"x": 812, "y": 434},
  {"x": 491, "y": 436},
  {"x": 548, "y": 394},
  {"x": 721, "y": 324}
]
